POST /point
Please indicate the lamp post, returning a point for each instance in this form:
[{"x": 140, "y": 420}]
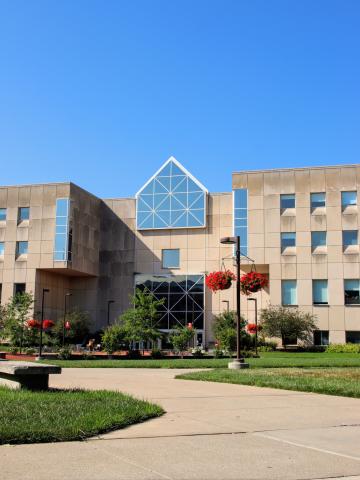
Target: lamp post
[
  {"x": 45, "y": 290},
  {"x": 256, "y": 324},
  {"x": 227, "y": 305},
  {"x": 108, "y": 310},
  {"x": 64, "y": 322},
  {"x": 238, "y": 363}
]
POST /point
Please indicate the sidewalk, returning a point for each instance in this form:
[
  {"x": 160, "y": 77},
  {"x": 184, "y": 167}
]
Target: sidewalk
[{"x": 210, "y": 431}]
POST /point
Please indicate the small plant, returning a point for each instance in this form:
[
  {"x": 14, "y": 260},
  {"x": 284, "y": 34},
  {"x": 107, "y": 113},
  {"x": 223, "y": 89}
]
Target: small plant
[
  {"x": 198, "y": 352},
  {"x": 180, "y": 339},
  {"x": 221, "y": 280},
  {"x": 14, "y": 350},
  {"x": 252, "y": 328},
  {"x": 64, "y": 353},
  {"x": 112, "y": 338},
  {"x": 253, "y": 282},
  {"x": 30, "y": 351}
]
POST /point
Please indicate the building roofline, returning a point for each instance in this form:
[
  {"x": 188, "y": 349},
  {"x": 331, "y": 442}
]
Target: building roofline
[
  {"x": 20, "y": 185},
  {"x": 323, "y": 167}
]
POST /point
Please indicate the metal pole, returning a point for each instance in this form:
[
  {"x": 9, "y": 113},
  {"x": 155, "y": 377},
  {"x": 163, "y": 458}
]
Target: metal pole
[
  {"x": 238, "y": 308},
  {"x": 45, "y": 290},
  {"x": 64, "y": 322},
  {"x": 256, "y": 328}
]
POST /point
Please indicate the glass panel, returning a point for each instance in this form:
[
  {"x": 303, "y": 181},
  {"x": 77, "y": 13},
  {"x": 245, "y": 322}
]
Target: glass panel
[
  {"x": 2, "y": 248},
  {"x": 288, "y": 239},
  {"x": 318, "y": 200},
  {"x": 321, "y": 337},
  {"x": 23, "y": 213},
  {"x": 350, "y": 237},
  {"x": 171, "y": 258},
  {"x": 320, "y": 292},
  {"x": 288, "y": 291},
  {"x": 287, "y": 201},
  {"x": 184, "y": 296},
  {"x": 2, "y": 214},
  {"x": 351, "y": 290},
  {"x": 21, "y": 248},
  {"x": 353, "y": 337},
  {"x": 63, "y": 236},
  {"x": 175, "y": 192},
  {"x": 318, "y": 239},
  {"x": 348, "y": 198},
  {"x": 241, "y": 218}
]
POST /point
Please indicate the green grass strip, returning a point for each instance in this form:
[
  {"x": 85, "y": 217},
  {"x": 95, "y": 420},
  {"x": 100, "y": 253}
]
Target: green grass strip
[
  {"x": 63, "y": 415},
  {"x": 344, "y": 382}
]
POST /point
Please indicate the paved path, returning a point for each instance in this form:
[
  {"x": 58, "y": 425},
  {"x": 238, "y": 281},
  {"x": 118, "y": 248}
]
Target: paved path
[{"x": 211, "y": 431}]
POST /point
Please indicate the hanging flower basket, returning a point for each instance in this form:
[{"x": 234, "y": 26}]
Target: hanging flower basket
[
  {"x": 252, "y": 328},
  {"x": 253, "y": 282},
  {"x": 219, "y": 280}
]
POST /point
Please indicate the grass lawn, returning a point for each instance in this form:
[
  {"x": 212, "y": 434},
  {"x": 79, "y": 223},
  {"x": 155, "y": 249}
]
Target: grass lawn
[
  {"x": 331, "y": 381},
  {"x": 63, "y": 415},
  {"x": 267, "y": 360}
]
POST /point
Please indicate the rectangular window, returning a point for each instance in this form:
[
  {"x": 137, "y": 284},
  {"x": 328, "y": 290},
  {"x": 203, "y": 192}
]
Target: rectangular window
[
  {"x": 350, "y": 237},
  {"x": 2, "y": 249},
  {"x": 351, "y": 291},
  {"x": 288, "y": 292},
  {"x": 318, "y": 239},
  {"x": 2, "y": 214},
  {"x": 23, "y": 214},
  {"x": 321, "y": 337},
  {"x": 19, "y": 288},
  {"x": 62, "y": 231},
  {"x": 0, "y": 292},
  {"x": 288, "y": 239},
  {"x": 287, "y": 201},
  {"x": 320, "y": 292},
  {"x": 21, "y": 248},
  {"x": 348, "y": 199},
  {"x": 352, "y": 337},
  {"x": 241, "y": 218},
  {"x": 171, "y": 258},
  {"x": 317, "y": 200}
]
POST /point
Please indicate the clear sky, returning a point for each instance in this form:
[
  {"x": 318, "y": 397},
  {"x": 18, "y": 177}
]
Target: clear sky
[{"x": 103, "y": 92}]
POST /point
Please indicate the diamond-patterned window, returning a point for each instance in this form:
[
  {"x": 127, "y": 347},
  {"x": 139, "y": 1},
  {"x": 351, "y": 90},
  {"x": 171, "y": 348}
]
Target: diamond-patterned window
[
  {"x": 172, "y": 198},
  {"x": 184, "y": 298}
]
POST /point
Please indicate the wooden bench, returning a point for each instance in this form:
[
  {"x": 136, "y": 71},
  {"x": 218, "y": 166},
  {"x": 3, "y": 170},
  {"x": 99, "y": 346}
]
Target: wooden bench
[{"x": 26, "y": 374}]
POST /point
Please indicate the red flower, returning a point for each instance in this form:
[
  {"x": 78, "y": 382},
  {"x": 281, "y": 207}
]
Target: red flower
[
  {"x": 48, "y": 324},
  {"x": 251, "y": 328},
  {"x": 33, "y": 324},
  {"x": 253, "y": 282},
  {"x": 219, "y": 280},
  {"x": 67, "y": 325}
]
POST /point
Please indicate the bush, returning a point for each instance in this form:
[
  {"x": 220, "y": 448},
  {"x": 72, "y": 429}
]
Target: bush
[
  {"x": 265, "y": 348},
  {"x": 224, "y": 328},
  {"x": 14, "y": 350},
  {"x": 64, "y": 353},
  {"x": 156, "y": 353},
  {"x": 30, "y": 351},
  {"x": 134, "y": 354},
  {"x": 198, "y": 352},
  {"x": 78, "y": 321},
  {"x": 180, "y": 339},
  {"x": 343, "y": 348},
  {"x": 112, "y": 338}
]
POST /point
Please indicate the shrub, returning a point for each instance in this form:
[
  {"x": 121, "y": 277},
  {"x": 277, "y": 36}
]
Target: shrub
[
  {"x": 180, "y": 339},
  {"x": 64, "y": 353},
  {"x": 343, "y": 348},
  {"x": 30, "y": 351},
  {"x": 78, "y": 328},
  {"x": 284, "y": 322},
  {"x": 224, "y": 328},
  {"x": 156, "y": 353},
  {"x": 14, "y": 350},
  {"x": 112, "y": 338},
  {"x": 198, "y": 352}
]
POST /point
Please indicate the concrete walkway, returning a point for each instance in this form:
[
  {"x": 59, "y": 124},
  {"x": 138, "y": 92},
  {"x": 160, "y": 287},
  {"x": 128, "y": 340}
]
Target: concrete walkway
[{"x": 210, "y": 431}]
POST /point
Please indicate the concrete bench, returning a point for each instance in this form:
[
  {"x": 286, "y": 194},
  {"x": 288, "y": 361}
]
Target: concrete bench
[{"x": 26, "y": 374}]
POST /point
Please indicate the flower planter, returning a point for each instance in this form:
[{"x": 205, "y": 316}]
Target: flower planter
[
  {"x": 221, "y": 280},
  {"x": 252, "y": 282}
]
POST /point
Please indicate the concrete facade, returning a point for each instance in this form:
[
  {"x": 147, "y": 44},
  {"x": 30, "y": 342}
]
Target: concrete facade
[{"x": 108, "y": 251}]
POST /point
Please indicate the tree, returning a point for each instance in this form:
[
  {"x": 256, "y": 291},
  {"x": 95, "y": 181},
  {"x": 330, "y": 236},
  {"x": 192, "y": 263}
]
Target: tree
[
  {"x": 180, "y": 338},
  {"x": 224, "y": 329},
  {"x": 14, "y": 317},
  {"x": 139, "y": 321},
  {"x": 113, "y": 338},
  {"x": 283, "y": 322}
]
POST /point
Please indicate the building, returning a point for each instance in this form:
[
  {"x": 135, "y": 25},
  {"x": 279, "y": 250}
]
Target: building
[{"x": 300, "y": 226}]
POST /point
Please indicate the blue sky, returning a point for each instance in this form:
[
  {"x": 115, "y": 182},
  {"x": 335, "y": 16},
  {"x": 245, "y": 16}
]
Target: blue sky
[{"x": 103, "y": 92}]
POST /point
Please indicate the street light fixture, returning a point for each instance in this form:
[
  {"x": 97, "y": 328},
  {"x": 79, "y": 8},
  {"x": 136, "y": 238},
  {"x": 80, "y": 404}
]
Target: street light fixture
[
  {"x": 45, "y": 290},
  {"x": 238, "y": 363},
  {"x": 64, "y": 322},
  {"x": 256, "y": 324},
  {"x": 108, "y": 310}
]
